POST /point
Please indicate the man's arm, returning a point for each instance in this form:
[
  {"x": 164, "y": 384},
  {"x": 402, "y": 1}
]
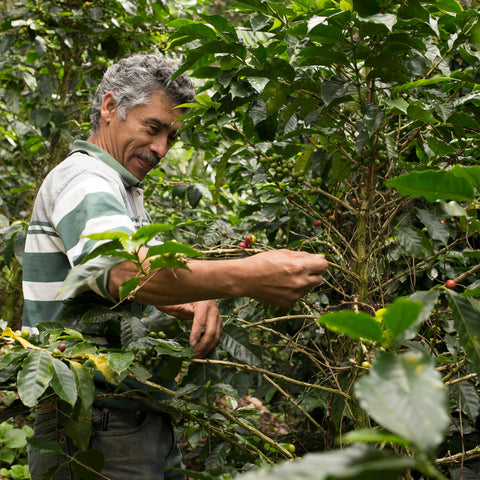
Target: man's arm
[{"x": 277, "y": 277}]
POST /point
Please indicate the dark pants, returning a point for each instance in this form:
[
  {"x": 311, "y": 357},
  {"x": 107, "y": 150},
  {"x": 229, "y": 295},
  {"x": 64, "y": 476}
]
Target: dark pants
[{"x": 135, "y": 445}]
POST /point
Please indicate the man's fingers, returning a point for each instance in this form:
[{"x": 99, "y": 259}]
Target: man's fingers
[
  {"x": 315, "y": 280},
  {"x": 206, "y": 328},
  {"x": 210, "y": 337},
  {"x": 196, "y": 333}
]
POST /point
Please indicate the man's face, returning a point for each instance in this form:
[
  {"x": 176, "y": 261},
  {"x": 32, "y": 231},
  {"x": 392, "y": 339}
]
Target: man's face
[{"x": 144, "y": 137}]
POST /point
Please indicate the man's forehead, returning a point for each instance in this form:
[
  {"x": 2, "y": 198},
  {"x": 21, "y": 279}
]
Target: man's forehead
[{"x": 160, "y": 110}]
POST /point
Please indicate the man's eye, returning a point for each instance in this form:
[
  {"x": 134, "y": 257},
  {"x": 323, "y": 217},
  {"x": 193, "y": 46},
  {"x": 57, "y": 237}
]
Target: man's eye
[{"x": 152, "y": 129}]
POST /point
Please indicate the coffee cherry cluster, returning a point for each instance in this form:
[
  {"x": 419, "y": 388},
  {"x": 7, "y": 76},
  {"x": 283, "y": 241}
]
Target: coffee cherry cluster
[
  {"x": 148, "y": 358},
  {"x": 59, "y": 349},
  {"x": 248, "y": 242},
  {"x": 159, "y": 334},
  {"x": 280, "y": 167}
]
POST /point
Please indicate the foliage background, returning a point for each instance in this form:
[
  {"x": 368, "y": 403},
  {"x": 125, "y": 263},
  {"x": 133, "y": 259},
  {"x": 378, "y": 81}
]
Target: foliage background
[{"x": 306, "y": 111}]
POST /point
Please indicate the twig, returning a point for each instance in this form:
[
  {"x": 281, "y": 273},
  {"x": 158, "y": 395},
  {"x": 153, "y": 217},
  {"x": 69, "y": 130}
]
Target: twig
[
  {"x": 292, "y": 400},
  {"x": 272, "y": 374},
  {"x": 454, "y": 370},
  {"x": 279, "y": 319},
  {"x": 461, "y": 379},
  {"x": 417, "y": 266},
  {"x": 463, "y": 276},
  {"x": 459, "y": 457}
]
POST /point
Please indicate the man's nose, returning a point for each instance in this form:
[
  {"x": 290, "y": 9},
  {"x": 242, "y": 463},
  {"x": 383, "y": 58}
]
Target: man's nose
[{"x": 160, "y": 145}]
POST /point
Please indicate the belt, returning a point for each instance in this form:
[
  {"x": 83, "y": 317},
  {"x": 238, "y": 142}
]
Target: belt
[{"x": 46, "y": 407}]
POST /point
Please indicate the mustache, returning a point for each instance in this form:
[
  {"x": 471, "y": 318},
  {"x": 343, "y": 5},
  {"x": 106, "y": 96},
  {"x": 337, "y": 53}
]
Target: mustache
[{"x": 149, "y": 158}]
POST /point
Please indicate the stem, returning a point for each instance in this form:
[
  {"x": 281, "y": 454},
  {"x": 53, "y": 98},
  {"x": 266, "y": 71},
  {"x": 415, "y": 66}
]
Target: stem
[
  {"x": 275, "y": 375},
  {"x": 459, "y": 366},
  {"x": 278, "y": 319},
  {"x": 431, "y": 472},
  {"x": 292, "y": 400},
  {"x": 362, "y": 265},
  {"x": 463, "y": 276},
  {"x": 461, "y": 379},
  {"x": 419, "y": 265},
  {"x": 459, "y": 457}
]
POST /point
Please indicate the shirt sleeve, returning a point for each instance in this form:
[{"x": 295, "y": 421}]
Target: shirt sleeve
[{"x": 90, "y": 204}]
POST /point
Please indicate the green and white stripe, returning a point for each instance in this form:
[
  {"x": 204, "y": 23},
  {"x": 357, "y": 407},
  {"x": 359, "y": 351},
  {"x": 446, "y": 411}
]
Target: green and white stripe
[{"x": 89, "y": 192}]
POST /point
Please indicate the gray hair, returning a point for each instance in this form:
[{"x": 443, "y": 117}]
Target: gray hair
[{"x": 132, "y": 80}]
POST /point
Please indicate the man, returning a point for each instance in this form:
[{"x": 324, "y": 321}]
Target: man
[{"x": 97, "y": 188}]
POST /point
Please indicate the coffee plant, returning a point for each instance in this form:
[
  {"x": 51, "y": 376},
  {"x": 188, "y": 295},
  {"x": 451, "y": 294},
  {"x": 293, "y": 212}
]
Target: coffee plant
[{"x": 345, "y": 128}]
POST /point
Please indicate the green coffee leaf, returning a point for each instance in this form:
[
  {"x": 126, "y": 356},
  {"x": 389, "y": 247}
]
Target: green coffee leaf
[
  {"x": 386, "y": 19},
  {"x": 321, "y": 56},
  {"x": 220, "y": 23},
  {"x": 274, "y": 96},
  {"x": 117, "y": 235},
  {"x": 128, "y": 286},
  {"x": 46, "y": 446},
  {"x": 435, "y": 227},
  {"x": 353, "y": 463},
  {"x": 468, "y": 399},
  {"x": 326, "y": 33},
  {"x": 34, "y": 377},
  {"x": 449, "y": 6},
  {"x": 367, "y": 435},
  {"x": 86, "y": 386},
  {"x": 14, "y": 438},
  {"x": 428, "y": 299},
  {"x": 334, "y": 89},
  {"x": 172, "y": 247},
  {"x": 433, "y": 185},
  {"x": 470, "y": 173},
  {"x": 404, "y": 394},
  {"x": 236, "y": 341},
  {"x": 64, "y": 382},
  {"x": 400, "y": 315},
  {"x": 99, "y": 314},
  {"x": 80, "y": 275},
  {"x": 222, "y": 166},
  {"x": 146, "y": 233},
  {"x": 465, "y": 313},
  {"x": 353, "y": 324},
  {"x": 194, "y": 195},
  {"x": 120, "y": 361},
  {"x": 196, "y": 31},
  {"x": 168, "y": 261},
  {"x": 412, "y": 241},
  {"x": 93, "y": 459},
  {"x": 303, "y": 162},
  {"x": 418, "y": 112},
  {"x": 424, "y": 82},
  {"x": 131, "y": 329},
  {"x": 107, "y": 248}
]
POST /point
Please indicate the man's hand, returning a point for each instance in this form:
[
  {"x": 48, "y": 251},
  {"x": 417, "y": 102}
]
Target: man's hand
[
  {"x": 281, "y": 277},
  {"x": 206, "y": 326}
]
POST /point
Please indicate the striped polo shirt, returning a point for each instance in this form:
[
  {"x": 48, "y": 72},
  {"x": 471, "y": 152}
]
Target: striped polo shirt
[{"x": 89, "y": 192}]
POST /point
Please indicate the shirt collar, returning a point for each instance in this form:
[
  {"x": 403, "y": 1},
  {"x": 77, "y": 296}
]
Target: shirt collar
[{"x": 95, "y": 151}]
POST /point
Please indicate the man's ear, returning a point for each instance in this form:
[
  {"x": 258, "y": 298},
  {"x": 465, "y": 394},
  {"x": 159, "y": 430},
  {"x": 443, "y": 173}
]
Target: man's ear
[{"x": 108, "y": 108}]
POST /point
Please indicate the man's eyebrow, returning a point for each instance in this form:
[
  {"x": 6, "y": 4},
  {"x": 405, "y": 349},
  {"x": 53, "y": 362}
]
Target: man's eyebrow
[{"x": 159, "y": 123}]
